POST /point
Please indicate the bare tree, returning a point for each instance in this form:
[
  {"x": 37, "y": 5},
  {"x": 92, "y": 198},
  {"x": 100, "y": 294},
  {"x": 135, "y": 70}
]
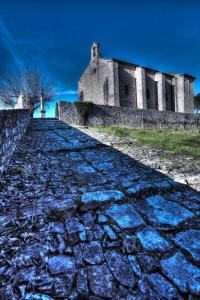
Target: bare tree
[{"x": 31, "y": 84}]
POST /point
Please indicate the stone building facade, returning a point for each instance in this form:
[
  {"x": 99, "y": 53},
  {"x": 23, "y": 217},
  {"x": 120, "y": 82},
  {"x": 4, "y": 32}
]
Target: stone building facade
[{"x": 117, "y": 83}]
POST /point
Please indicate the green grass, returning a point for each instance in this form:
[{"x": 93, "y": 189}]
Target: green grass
[{"x": 180, "y": 142}]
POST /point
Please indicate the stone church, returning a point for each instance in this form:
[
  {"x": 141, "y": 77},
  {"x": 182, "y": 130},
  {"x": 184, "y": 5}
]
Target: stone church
[{"x": 119, "y": 83}]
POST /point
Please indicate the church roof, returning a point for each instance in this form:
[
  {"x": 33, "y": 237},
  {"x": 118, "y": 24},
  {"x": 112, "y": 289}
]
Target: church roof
[{"x": 151, "y": 70}]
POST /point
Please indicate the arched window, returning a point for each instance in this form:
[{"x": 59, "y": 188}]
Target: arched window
[
  {"x": 81, "y": 96},
  {"x": 126, "y": 89},
  {"x": 148, "y": 93},
  {"x": 105, "y": 91},
  {"x": 94, "y": 51}
]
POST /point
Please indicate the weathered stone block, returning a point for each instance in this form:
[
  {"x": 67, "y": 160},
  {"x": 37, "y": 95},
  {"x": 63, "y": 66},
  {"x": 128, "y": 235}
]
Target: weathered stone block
[
  {"x": 120, "y": 268},
  {"x": 182, "y": 273},
  {"x": 159, "y": 211},
  {"x": 92, "y": 200},
  {"x": 135, "y": 265},
  {"x": 189, "y": 240},
  {"x": 151, "y": 240},
  {"x": 61, "y": 264},
  {"x": 92, "y": 253},
  {"x": 82, "y": 285},
  {"x": 162, "y": 287},
  {"x": 125, "y": 216},
  {"x": 101, "y": 281}
]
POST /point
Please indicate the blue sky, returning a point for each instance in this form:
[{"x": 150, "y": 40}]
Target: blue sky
[{"x": 55, "y": 36}]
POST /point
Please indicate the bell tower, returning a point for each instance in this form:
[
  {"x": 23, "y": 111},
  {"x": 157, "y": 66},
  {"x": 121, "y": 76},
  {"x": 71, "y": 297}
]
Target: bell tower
[{"x": 95, "y": 52}]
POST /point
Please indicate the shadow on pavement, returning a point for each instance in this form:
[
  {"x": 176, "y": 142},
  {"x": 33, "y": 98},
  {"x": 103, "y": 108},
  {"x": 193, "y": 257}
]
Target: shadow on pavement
[{"x": 81, "y": 220}]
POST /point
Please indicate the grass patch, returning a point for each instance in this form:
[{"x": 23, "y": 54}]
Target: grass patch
[{"x": 180, "y": 142}]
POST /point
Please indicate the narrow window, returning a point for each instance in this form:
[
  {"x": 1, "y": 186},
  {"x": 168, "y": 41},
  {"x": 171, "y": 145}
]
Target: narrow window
[
  {"x": 105, "y": 91},
  {"x": 94, "y": 51},
  {"x": 185, "y": 86},
  {"x": 126, "y": 88},
  {"x": 81, "y": 97},
  {"x": 147, "y": 93}
]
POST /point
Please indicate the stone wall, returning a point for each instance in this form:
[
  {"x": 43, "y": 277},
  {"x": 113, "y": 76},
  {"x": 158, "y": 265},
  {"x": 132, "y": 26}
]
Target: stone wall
[
  {"x": 97, "y": 83},
  {"x": 13, "y": 124},
  {"x": 151, "y": 90},
  {"x": 91, "y": 114},
  {"x": 127, "y": 86},
  {"x": 169, "y": 94}
]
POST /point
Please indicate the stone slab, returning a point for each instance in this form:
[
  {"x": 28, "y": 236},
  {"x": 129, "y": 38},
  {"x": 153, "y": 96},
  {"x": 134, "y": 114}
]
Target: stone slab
[
  {"x": 125, "y": 216},
  {"x": 101, "y": 281},
  {"x": 92, "y": 253},
  {"x": 189, "y": 240},
  {"x": 61, "y": 264},
  {"x": 162, "y": 287},
  {"x": 92, "y": 200},
  {"x": 185, "y": 275},
  {"x": 135, "y": 265},
  {"x": 120, "y": 268},
  {"x": 160, "y": 211},
  {"x": 151, "y": 240}
]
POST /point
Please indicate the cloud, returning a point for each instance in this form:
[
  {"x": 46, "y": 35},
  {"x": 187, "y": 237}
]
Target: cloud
[
  {"x": 10, "y": 45},
  {"x": 67, "y": 92}
]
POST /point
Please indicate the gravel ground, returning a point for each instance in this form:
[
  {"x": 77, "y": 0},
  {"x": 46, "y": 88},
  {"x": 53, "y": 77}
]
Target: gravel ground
[{"x": 182, "y": 168}]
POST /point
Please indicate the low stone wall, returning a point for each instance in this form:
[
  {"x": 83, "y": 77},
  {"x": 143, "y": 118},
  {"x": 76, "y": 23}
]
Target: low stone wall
[
  {"x": 13, "y": 124},
  {"x": 83, "y": 113}
]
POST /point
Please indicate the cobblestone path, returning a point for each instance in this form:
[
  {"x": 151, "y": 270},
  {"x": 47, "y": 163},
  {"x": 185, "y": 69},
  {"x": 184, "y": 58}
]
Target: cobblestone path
[{"x": 81, "y": 220}]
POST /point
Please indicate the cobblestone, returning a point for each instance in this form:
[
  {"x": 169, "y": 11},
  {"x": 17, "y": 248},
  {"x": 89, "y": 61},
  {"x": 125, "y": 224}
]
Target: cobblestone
[
  {"x": 61, "y": 264},
  {"x": 81, "y": 220},
  {"x": 125, "y": 216},
  {"x": 152, "y": 241},
  {"x": 162, "y": 287},
  {"x": 162, "y": 212},
  {"x": 101, "y": 281},
  {"x": 184, "y": 274},
  {"x": 120, "y": 268},
  {"x": 93, "y": 200},
  {"x": 92, "y": 253},
  {"x": 190, "y": 241}
]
